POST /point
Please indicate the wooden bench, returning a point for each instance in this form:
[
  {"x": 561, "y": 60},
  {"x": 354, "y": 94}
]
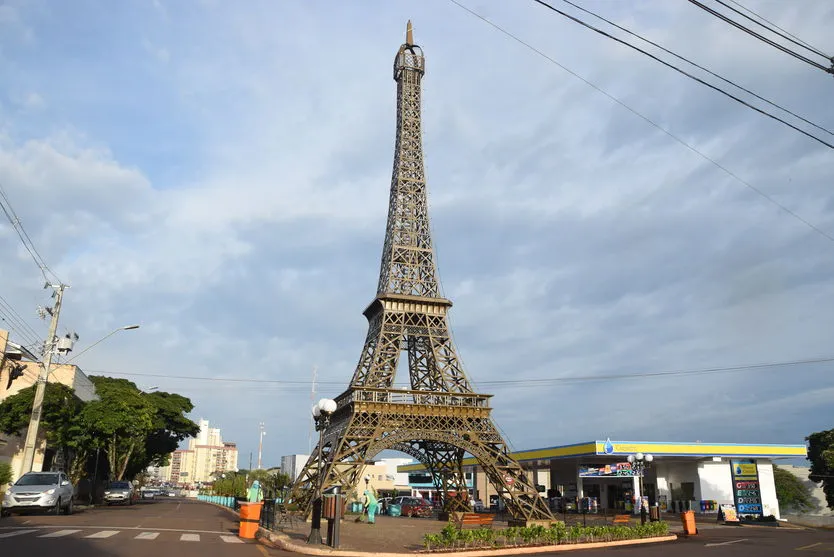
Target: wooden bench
[
  {"x": 622, "y": 519},
  {"x": 474, "y": 519}
]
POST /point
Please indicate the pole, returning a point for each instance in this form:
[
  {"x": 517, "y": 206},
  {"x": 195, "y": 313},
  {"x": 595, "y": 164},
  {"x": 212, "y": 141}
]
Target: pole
[
  {"x": 315, "y": 528},
  {"x": 642, "y": 506},
  {"x": 40, "y": 389},
  {"x": 260, "y": 445}
]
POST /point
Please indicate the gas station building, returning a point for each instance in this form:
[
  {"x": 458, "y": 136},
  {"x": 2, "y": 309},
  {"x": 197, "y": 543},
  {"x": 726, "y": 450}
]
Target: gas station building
[{"x": 597, "y": 475}]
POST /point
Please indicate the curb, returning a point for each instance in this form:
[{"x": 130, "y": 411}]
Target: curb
[{"x": 282, "y": 541}]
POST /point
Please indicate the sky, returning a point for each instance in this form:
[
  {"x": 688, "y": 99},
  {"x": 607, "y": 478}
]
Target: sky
[{"x": 218, "y": 173}]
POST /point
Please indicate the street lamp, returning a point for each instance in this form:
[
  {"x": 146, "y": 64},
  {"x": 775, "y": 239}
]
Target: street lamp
[
  {"x": 639, "y": 463},
  {"x": 322, "y": 411},
  {"x": 40, "y": 390}
]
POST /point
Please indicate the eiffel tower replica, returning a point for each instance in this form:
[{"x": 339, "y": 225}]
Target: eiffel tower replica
[{"x": 440, "y": 418}]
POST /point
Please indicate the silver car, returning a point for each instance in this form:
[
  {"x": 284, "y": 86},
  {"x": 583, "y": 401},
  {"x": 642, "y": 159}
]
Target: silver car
[
  {"x": 50, "y": 491},
  {"x": 119, "y": 492}
]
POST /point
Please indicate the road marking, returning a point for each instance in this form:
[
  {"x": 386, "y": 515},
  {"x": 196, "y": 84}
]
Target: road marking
[
  {"x": 263, "y": 550},
  {"x": 725, "y": 543},
  {"x": 147, "y": 536},
  {"x": 808, "y": 546},
  {"x": 231, "y": 539},
  {"x": 103, "y": 534},
  {"x": 47, "y": 526},
  {"x": 17, "y": 533},
  {"x": 59, "y": 534},
  {"x": 190, "y": 538}
]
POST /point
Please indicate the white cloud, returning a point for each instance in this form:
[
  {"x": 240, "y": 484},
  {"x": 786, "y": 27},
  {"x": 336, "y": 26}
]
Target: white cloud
[{"x": 232, "y": 199}]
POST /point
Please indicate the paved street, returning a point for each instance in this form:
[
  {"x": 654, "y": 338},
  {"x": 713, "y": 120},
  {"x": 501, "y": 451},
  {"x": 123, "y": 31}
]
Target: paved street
[{"x": 165, "y": 527}]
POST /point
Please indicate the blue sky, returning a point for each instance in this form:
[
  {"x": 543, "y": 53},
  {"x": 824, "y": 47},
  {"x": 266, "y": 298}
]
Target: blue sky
[{"x": 219, "y": 173}]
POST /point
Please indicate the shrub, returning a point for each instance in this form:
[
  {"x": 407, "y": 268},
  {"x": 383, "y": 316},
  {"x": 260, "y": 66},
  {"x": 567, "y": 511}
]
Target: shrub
[
  {"x": 450, "y": 537},
  {"x": 5, "y": 473}
]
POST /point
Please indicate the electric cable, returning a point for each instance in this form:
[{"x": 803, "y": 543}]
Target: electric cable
[
  {"x": 748, "y": 10},
  {"x": 700, "y": 67},
  {"x": 784, "y": 34},
  {"x": 762, "y": 38},
  {"x": 651, "y": 122},
  {"x": 684, "y": 72}
]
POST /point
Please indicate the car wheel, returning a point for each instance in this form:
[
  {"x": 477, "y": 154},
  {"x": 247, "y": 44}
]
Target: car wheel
[
  {"x": 68, "y": 510},
  {"x": 4, "y": 513},
  {"x": 56, "y": 510}
]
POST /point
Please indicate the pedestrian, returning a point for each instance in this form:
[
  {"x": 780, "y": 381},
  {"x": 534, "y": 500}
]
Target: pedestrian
[
  {"x": 370, "y": 505},
  {"x": 383, "y": 506}
]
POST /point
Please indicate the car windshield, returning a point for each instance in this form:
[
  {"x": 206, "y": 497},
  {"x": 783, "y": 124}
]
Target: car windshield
[
  {"x": 119, "y": 485},
  {"x": 38, "y": 479}
]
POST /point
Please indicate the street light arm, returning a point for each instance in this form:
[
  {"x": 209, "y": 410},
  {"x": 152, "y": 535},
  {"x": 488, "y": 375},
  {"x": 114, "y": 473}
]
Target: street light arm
[{"x": 102, "y": 339}]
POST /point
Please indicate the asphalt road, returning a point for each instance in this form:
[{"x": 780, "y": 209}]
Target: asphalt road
[
  {"x": 159, "y": 528},
  {"x": 757, "y": 541}
]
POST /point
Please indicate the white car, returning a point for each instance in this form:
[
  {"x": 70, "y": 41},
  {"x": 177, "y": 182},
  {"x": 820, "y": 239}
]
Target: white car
[{"x": 44, "y": 491}]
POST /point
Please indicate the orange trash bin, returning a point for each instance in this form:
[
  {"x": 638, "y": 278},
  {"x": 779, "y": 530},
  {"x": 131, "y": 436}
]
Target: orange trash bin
[
  {"x": 688, "y": 521},
  {"x": 250, "y": 519}
]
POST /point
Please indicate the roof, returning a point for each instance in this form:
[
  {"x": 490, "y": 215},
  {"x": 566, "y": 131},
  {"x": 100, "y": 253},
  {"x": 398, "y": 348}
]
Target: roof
[{"x": 656, "y": 448}]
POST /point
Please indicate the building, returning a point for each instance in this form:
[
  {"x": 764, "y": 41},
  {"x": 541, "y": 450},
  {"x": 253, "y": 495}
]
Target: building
[
  {"x": 14, "y": 357},
  {"x": 292, "y": 465},
  {"x": 597, "y": 474},
  {"x": 206, "y": 456}
]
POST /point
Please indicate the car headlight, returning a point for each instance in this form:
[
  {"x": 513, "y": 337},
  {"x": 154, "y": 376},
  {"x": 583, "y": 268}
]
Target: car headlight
[
  {"x": 107, "y": 493},
  {"x": 50, "y": 492}
]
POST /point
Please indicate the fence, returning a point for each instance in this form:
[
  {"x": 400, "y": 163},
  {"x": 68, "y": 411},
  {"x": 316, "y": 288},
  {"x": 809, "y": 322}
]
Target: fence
[{"x": 222, "y": 500}]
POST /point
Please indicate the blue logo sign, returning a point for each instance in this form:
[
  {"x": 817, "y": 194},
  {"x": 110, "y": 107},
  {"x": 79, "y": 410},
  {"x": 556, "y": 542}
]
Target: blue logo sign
[{"x": 608, "y": 448}]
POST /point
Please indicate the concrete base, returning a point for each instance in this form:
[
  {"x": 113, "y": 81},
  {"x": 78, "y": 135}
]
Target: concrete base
[{"x": 521, "y": 523}]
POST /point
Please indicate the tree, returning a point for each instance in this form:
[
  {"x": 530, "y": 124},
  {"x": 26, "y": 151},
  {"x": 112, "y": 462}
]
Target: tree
[
  {"x": 791, "y": 492},
  {"x": 821, "y": 455},
  {"x": 60, "y": 422},
  {"x": 5, "y": 473}
]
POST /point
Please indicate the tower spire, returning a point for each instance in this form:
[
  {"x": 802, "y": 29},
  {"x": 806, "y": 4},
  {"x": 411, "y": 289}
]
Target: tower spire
[{"x": 409, "y": 34}]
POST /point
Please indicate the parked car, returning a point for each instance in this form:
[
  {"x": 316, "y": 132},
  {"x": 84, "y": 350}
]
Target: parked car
[
  {"x": 148, "y": 493},
  {"x": 50, "y": 491},
  {"x": 414, "y": 506},
  {"x": 119, "y": 492}
]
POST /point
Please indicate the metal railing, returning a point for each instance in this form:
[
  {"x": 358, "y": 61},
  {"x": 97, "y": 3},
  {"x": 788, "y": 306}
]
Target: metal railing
[{"x": 432, "y": 398}]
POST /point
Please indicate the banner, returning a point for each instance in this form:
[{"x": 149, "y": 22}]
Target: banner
[
  {"x": 746, "y": 488},
  {"x": 619, "y": 469}
]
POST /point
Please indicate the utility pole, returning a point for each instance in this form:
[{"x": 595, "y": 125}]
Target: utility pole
[
  {"x": 261, "y": 444},
  {"x": 40, "y": 390}
]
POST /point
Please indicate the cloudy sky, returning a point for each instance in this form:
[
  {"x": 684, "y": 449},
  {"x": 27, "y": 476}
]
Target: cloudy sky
[{"x": 219, "y": 172}]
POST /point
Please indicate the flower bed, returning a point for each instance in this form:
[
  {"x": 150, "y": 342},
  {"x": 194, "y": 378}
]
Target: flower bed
[{"x": 486, "y": 538}]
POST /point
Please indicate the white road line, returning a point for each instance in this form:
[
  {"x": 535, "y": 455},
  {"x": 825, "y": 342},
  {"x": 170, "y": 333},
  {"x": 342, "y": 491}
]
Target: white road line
[
  {"x": 17, "y": 533},
  {"x": 147, "y": 536},
  {"x": 103, "y": 534},
  {"x": 190, "y": 538},
  {"x": 141, "y": 528},
  {"x": 724, "y": 543},
  {"x": 59, "y": 534},
  {"x": 231, "y": 539}
]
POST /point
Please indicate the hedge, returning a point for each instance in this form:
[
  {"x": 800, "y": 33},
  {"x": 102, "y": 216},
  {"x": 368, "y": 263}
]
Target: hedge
[{"x": 452, "y": 538}]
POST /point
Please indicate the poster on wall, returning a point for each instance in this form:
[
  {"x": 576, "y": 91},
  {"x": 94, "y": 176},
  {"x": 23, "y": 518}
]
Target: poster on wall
[
  {"x": 746, "y": 489},
  {"x": 621, "y": 469}
]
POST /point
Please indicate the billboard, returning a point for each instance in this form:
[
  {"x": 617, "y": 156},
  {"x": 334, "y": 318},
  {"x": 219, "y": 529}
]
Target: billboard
[
  {"x": 746, "y": 489},
  {"x": 618, "y": 469}
]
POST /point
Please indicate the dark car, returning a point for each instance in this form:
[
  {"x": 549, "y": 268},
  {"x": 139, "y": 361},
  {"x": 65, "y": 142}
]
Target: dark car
[{"x": 415, "y": 506}]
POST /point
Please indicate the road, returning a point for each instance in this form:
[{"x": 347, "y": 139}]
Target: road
[
  {"x": 759, "y": 541},
  {"x": 161, "y": 528}
]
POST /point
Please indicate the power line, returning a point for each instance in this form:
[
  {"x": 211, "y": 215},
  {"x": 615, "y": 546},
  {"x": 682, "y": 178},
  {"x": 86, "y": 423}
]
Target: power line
[
  {"x": 782, "y": 33},
  {"x": 12, "y": 217},
  {"x": 506, "y": 382},
  {"x": 17, "y": 323},
  {"x": 684, "y": 72},
  {"x": 712, "y": 161},
  {"x": 762, "y": 38},
  {"x": 688, "y": 61},
  {"x": 748, "y": 10}
]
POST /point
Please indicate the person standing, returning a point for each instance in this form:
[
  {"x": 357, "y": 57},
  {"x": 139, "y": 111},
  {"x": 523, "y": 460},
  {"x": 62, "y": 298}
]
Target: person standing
[{"x": 371, "y": 505}]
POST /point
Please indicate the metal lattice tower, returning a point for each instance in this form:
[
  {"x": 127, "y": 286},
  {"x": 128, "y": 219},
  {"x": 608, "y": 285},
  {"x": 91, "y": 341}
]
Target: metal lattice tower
[{"x": 440, "y": 418}]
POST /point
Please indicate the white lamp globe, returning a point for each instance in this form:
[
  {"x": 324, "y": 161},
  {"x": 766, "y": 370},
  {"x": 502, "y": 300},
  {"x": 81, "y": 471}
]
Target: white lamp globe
[
  {"x": 639, "y": 456},
  {"x": 649, "y": 458},
  {"x": 327, "y": 405},
  {"x": 630, "y": 458},
  {"x": 316, "y": 411}
]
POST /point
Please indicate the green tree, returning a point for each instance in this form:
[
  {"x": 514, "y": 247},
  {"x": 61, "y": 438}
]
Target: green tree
[
  {"x": 821, "y": 455},
  {"x": 60, "y": 422},
  {"x": 5, "y": 473},
  {"x": 791, "y": 492}
]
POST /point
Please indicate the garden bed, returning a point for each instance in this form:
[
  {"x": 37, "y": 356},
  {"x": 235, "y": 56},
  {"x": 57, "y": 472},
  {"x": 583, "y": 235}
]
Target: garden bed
[{"x": 453, "y": 539}]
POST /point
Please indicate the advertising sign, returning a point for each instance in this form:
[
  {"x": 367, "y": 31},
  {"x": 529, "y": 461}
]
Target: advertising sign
[
  {"x": 618, "y": 469},
  {"x": 746, "y": 489},
  {"x": 729, "y": 512}
]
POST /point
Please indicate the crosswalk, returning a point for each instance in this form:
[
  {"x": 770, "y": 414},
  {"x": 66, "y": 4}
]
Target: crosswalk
[{"x": 134, "y": 534}]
